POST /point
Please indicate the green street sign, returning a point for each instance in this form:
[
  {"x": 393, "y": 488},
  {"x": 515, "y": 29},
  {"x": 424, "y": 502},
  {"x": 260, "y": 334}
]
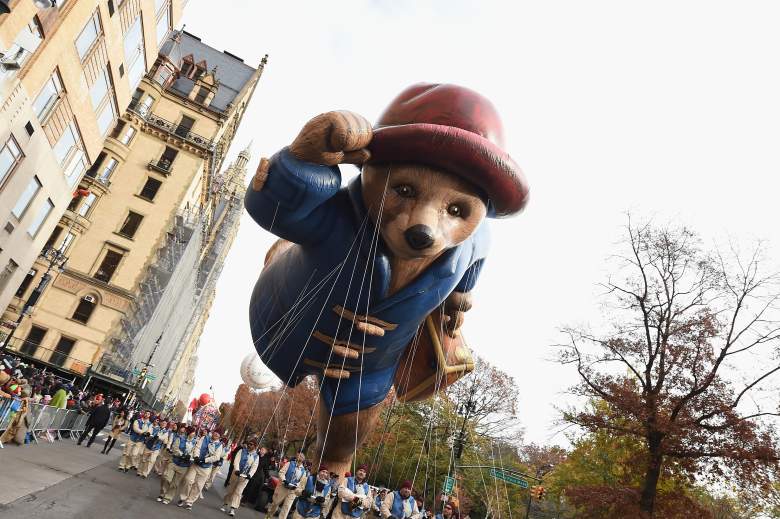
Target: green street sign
[
  {"x": 509, "y": 478},
  {"x": 449, "y": 484}
]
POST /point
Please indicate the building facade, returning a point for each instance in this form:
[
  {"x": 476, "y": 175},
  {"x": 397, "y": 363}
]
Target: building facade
[
  {"x": 142, "y": 230},
  {"x": 66, "y": 74}
]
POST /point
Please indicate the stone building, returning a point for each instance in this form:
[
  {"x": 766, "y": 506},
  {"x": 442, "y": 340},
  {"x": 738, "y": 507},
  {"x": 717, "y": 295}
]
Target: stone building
[
  {"x": 147, "y": 234},
  {"x": 66, "y": 74}
]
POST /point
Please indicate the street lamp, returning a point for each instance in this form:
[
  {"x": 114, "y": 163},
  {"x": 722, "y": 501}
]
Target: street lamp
[{"x": 57, "y": 260}]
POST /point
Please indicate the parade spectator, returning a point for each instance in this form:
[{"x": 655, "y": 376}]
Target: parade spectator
[
  {"x": 17, "y": 429},
  {"x": 119, "y": 423},
  {"x": 60, "y": 398},
  {"x": 400, "y": 504},
  {"x": 245, "y": 463},
  {"x": 98, "y": 419},
  {"x": 291, "y": 474}
]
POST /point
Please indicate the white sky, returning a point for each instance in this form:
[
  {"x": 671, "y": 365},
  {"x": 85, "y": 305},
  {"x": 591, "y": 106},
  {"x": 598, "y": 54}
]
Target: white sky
[{"x": 669, "y": 108}]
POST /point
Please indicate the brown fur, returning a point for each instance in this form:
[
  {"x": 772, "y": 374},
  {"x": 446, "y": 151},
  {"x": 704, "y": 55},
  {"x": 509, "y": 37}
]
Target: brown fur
[{"x": 433, "y": 193}]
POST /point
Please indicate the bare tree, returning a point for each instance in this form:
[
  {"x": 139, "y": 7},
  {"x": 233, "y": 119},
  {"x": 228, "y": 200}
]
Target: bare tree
[{"x": 684, "y": 360}]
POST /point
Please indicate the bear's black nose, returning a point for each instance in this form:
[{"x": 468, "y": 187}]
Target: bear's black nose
[{"x": 419, "y": 237}]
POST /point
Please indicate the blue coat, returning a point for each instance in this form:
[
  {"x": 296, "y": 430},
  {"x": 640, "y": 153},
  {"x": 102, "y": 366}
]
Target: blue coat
[{"x": 307, "y": 297}]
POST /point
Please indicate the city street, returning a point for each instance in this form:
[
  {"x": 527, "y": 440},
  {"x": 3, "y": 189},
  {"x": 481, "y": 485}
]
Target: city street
[{"x": 62, "y": 480}]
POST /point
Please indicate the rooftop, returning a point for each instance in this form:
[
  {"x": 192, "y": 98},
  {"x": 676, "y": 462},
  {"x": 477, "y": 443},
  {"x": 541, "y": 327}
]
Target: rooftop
[{"x": 231, "y": 71}]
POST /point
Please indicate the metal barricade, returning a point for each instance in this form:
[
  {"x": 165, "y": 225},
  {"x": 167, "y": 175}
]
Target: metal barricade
[
  {"x": 57, "y": 421},
  {"x": 43, "y": 418}
]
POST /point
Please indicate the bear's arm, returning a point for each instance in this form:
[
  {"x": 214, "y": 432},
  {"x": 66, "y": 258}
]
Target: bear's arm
[{"x": 295, "y": 203}]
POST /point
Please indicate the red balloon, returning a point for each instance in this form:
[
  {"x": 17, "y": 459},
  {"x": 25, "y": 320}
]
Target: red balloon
[{"x": 204, "y": 399}]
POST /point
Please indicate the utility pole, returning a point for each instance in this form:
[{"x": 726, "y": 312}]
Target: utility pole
[{"x": 148, "y": 364}]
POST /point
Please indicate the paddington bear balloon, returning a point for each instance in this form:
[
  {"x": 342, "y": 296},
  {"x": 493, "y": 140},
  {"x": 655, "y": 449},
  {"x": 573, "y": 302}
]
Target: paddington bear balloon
[{"x": 367, "y": 287}]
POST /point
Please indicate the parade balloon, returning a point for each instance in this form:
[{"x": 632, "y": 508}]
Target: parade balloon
[
  {"x": 204, "y": 399},
  {"x": 254, "y": 373},
  {"x": 361, "y": 271}
]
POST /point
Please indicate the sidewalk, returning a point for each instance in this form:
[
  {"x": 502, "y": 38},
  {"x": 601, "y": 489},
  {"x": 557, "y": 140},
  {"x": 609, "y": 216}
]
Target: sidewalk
[{"x": 32, "y": 468}]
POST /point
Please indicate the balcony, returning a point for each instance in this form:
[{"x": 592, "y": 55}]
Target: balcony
[
  {"x": 161, "y": 166},
  {"x": 48, "y": 357},
  {"x": 179, "y": 131}
]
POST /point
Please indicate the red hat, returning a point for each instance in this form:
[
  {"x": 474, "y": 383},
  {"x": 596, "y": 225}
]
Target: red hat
[
  {"x": 363, "y": 466},
  {"x": 458, "y": 130},
  {"x": 322, "y": 467},
  {"x": 406, "y": 484}
]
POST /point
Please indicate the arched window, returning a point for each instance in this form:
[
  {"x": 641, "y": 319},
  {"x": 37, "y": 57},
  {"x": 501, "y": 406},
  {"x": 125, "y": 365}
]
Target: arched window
[{"x": 84, "y": 309}]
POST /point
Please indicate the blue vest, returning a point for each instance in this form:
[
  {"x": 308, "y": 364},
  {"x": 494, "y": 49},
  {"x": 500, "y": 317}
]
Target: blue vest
[
  {"x": 290, "y": 474},
  {"x": 246, "y": 461},
  {"x": 134, "y": 436},
  {"x": 151, "y": 443},
  {"x": 345, "y": 508},
  {"x": 398, "y": 504},
  {"x": 204, "y": 451},
  {"x": 305, "y": 507},
  {"x": 184, "y": 445}
]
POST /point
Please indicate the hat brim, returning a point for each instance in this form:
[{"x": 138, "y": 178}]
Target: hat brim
[{"x": 458, "y": 151}]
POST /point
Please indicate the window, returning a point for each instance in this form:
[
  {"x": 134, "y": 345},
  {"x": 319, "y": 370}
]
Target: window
[
  {"x": 43, "y": 212},
  {"x": 108, "y": 169},
  {"x": 150, "y": 189},
  {"x": 163, "y": 25},
  {"x": 10, "y": 155},
  {"x": 8, "y": 271},
  {"x": 25, "y": 283},
  {"x": 127, "y": 136},
  {"x": 27, "y": 197},
  {"x": 62, "y": 351},
  {"x": 135, "y": 58},
  {"x": 137, "y": 95},
  {"x": 67, "y": 142},
  {"x": 202, "y": 94},
  {"x": 158, "y": 5},
  {"x": 108, "y": 266},
  {"x": 25, "y": 44},
  {"x": 103, "y": 101},
  {"x": 33, "y": 340},
  {"x": 184, "y": 127},
  {"x": 53, "y": 238},
  {"x": 162, "y": 75},
  {"x": 167, "y": 158},
  {"x": 146, "y": 105},
  {"x": 75, "y": 168},
  {"x": 84, "y": 309},
  {"x": 89, "y": 35},
  {"x": 48, "y": 96},
  {"x": 87, "y": 205},
  {"x": 131, "y": 224}
]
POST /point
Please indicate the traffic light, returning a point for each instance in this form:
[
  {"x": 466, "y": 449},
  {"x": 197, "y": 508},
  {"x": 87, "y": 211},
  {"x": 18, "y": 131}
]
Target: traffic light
[{"x": 538, "y": 492}]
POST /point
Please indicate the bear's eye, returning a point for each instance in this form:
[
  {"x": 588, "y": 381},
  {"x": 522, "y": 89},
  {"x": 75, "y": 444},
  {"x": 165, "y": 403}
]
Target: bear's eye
[
  {"x": 455, "y": 210},
  {"x": 405, "y": 191}
]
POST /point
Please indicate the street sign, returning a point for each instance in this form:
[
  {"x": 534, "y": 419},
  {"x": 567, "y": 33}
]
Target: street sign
[
  {"x": 509, "y": 478},
  {"x": 449, "y": 484}
]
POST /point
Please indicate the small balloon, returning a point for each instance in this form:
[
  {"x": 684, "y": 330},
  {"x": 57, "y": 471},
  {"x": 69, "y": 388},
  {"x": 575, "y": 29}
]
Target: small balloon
[
  {"x": 254, "y": 373},
  {"x": 204, "y": 399}
]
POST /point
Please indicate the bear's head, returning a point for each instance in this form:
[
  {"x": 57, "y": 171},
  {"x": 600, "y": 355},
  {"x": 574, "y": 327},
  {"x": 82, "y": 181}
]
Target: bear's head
[{"x": 421, "y": 211}]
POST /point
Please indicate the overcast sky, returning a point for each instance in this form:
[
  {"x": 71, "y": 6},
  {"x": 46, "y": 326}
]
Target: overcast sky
[{"x": 670, "y": 109}]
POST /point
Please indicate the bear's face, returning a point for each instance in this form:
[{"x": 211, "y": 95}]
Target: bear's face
[{"x": 425, "y": 211}]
